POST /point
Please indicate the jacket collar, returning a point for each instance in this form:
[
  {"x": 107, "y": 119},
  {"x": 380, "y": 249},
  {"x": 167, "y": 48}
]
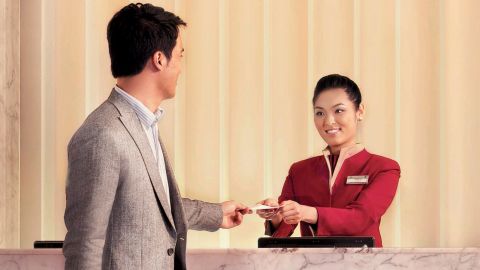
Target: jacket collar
[{"x": 345, "y": 153}]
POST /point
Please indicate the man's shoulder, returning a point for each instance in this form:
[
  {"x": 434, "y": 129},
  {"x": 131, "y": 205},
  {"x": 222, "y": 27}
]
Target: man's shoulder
[
  {"x": 103, "y": 113},
  {"x": 103, "y": 122}
]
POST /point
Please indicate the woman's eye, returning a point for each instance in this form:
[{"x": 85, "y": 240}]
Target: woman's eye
[
  {"x": 319, "y": 113},
  {"x": 339, "y": 110}
]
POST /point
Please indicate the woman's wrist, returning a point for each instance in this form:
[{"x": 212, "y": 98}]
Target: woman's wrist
[
  {"x": 310, "y": 214},
  {"x": 276, "y": 220}
]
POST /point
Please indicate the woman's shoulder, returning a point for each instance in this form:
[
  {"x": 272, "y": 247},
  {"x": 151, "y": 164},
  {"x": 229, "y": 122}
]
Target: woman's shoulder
[
  {"x": 382, "y": 162},
  {"x": 306, "y": 163}
]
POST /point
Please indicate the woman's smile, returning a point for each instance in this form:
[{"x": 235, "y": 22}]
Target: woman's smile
[{"x": 333, "y": 131}]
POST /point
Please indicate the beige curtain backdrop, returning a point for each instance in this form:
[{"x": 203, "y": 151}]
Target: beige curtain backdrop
[{"x": 243, "y": 113}]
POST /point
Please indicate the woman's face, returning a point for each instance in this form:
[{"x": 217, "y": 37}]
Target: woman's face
[{"x": 336, "y": 118}]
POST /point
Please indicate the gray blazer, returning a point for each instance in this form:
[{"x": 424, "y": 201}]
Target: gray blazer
[{"x": 117, "y": 215}]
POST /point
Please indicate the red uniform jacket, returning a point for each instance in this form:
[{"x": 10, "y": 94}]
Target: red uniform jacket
[{"x": 343, "y": 209}]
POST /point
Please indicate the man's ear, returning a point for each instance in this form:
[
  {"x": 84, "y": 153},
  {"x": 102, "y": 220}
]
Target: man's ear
[{"x": 159, "y": 60}]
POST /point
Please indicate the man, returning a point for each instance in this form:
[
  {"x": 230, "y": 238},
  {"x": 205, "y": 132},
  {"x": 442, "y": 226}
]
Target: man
[{"x": 124, "y": 210}]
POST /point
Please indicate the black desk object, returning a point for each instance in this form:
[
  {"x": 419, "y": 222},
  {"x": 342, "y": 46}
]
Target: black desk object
[
  {"x": 316, "y": 242},
  {"x": 48, "y": 244}
]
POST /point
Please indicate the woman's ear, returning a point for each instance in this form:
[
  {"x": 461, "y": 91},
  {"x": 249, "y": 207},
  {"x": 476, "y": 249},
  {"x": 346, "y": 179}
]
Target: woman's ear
[{"x": 360, "y": 112}]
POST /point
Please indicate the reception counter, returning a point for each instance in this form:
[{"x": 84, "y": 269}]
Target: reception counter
[{"x": 278, "y": 259}]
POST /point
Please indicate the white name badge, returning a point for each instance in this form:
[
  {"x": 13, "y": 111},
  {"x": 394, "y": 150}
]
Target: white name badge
[{"x": 357, "y": 180}]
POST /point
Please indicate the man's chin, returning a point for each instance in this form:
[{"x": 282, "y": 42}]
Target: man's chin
[{"x": 170, "y": 95}]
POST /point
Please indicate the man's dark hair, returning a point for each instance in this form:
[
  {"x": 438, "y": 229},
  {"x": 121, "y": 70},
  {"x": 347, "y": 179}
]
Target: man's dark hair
[
  {"x": 338, "y": 81},
  {"x": 136, "y": 32}
]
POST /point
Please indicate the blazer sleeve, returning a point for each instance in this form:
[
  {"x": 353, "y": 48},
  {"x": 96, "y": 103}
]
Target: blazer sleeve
[
  {"x": 283, "y": 229},
  {"x": 203, "y": 216},
  {"x": 369, "y": 207},
  {"x": 93, "y": 174}
]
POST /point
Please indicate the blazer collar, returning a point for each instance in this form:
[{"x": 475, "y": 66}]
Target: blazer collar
[
  {"x": 130, "y": 120},
  {"x": 345, "y": 153}
]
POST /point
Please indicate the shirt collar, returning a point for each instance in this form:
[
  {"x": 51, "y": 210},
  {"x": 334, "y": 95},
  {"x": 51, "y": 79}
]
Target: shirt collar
[{"x": 144, "y": 114}]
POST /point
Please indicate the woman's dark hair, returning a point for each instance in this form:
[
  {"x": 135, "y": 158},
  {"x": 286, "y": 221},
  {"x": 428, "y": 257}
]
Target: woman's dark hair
[
  {"x": 338, "y": 81},
  {"x": 136, "y": 32}
]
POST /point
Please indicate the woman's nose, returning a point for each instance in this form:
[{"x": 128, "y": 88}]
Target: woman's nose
[{"x": 331, "y": 120}]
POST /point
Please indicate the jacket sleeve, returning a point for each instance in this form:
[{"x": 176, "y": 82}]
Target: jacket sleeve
[
  {"x": 93, "y": 174},
  {"x": 283, "y": 229},
  {"x": 203, "y": 216},
  {"x": 369, "y": 207}
]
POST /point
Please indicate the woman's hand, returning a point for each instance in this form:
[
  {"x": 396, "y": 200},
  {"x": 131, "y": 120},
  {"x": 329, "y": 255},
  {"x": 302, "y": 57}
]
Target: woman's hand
[
  {"x": 273, "y": 215},
  {"x": 293, "y": 212},
  {"x": 268, "y": 213}
]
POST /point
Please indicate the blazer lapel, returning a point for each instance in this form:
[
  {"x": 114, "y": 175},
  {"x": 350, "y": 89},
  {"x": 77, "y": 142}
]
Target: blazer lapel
[
  {"x": 345, "y": 153},
  {"x": 175, "y": 195},
  {"x": 131, "y": 122},
  {"x": 345, "y": 157}
]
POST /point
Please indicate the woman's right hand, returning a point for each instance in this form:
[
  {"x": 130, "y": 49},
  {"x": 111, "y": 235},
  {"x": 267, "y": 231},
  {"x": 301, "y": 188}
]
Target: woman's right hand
[{"x": 269, "y": 214}]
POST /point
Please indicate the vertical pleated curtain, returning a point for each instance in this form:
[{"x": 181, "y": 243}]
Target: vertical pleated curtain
[{"x": 242, "y": 114}]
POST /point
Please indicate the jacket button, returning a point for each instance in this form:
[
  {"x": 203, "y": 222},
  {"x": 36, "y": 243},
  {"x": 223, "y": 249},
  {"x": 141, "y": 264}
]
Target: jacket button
[{"x": 170, "y": 251}]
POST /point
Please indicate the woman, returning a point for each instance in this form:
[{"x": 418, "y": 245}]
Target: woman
[{"x": 346, "y": 190}]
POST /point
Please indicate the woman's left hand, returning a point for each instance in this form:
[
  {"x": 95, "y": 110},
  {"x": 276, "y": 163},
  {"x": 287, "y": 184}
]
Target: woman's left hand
[{"x": 294, "y": 212}]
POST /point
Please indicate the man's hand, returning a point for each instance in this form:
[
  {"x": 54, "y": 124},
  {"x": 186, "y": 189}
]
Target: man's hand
[
  {"x": 233, "y": 214},
  {"x": 294, "y": 212}
]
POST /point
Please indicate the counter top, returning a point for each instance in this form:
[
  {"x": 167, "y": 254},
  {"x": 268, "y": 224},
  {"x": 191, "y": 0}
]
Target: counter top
[{"x": 302, "y": 258}]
